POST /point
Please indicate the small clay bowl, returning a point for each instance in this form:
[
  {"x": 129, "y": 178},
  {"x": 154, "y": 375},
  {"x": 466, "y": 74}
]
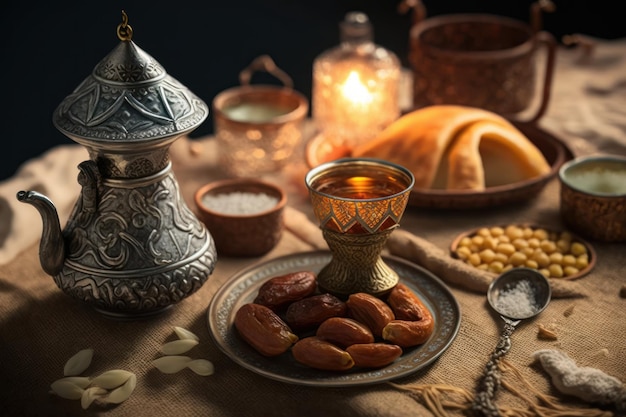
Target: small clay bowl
[
  {"x": 244, "y": 215},
  {"x": 591, "y": 253},
  {"x": 593, "y": 197}
]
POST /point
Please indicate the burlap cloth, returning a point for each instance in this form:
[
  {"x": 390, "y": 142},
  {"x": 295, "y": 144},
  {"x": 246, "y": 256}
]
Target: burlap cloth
[{"x": 41, "y": 327}]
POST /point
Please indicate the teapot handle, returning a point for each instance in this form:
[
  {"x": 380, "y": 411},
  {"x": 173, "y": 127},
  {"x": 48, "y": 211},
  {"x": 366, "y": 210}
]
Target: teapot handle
[{"x": 265, "y": 63}]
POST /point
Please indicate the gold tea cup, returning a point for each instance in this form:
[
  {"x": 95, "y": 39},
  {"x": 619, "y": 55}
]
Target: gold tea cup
[{"x": 358, "y": 203}]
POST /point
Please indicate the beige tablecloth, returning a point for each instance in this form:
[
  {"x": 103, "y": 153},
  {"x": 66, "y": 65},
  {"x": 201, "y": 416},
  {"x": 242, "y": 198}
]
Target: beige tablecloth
[{"x": 40, "y": 327}]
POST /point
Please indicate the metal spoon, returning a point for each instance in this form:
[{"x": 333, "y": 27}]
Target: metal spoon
[{"x": 518, "y": 294}]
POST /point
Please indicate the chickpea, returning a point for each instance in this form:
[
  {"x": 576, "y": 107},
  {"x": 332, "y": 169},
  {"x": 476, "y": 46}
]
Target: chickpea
[
  {"x": 569, "y": 260},
  {"x": 474, "y": 259},
  {"x": 517, "y": 259},
  {"x": 582, "y": 261},
  {"x": 496, "y": 231},
  {"x": 531, "y": 264},
  {"x": 478, "y": 241},
  {"x": 556, "y": 258},
  {"x": 542, "y": 258},
  {"x": 490, "y": 243},
  {"x": 555, "y": 271},
  {"x": 578, "y": 248},
  {"x": 570, "y": 270},
  {"x": 514, "y": 232},
  {"x": 504, "y": 239},
  {"x": 500, "y": 257},
  {"x": 496, "y": 267},
  {"x": 528, "y": 233},
  {"x": 563, "y": 246},
  {"x": 520, "y": 243},
  {"x": 506, "y": 248},
  {"x": 547, "y": 246},
  {"x": 533, "y": 242},
  {"x": 540, "y": 234},
  {"x": 465, "y": 241},
  {"x": 484, "y": 232},
  {"x": 463, "y": 252},
  {"x": 487, "y": 255}
]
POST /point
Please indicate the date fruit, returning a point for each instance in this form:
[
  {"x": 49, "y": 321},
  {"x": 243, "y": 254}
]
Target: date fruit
[
  {"x": 320, "y": 354},
  {"x": 374, "y": 355},
  {"x": 406, "y": 305},
  {"x": 312, "y": 311},
  {"x": 263, "y": 329},
  {"x": 343, "y": 332},
  {"x": 370, "y": 310},
  {"x": 407, "y": 333},
  {"x": 278, "y": 292}
]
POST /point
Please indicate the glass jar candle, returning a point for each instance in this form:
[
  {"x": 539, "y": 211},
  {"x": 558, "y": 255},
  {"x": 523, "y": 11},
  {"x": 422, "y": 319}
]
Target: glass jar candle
[{"x": 355, "y": 85}]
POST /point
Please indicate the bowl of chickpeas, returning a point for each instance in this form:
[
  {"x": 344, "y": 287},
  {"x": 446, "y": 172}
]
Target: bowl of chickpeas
[{"x": 554, "y": 253}]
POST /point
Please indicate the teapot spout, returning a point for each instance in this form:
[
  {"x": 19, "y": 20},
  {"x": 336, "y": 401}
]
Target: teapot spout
[{"x": 52, "y": 246}]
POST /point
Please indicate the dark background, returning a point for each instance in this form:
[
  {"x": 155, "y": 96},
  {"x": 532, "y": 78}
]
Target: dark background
[{"x": 48, "y": 50}]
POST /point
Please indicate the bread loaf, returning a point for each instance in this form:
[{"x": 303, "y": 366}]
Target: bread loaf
[{"x": 457, "y": 148}]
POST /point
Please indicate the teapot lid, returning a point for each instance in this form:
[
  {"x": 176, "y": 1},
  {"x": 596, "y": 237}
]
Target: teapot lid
[{"x": 128, "y": 97}]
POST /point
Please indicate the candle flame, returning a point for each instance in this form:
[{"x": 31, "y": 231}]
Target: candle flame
[{"x": 354, "y": 90}]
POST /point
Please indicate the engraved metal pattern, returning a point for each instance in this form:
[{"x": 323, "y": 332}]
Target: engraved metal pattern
[
  {"x": 487, "y": 389},
  {"x": 343, "y": 215},
  {"x": 134, "y": 246},
  {"x": 128, "y": 97},
  {"x": 490, "y": 383},
  {"x": 243, "y": 287},
  {"x": 356, "y": 265},
  {"x": 131, "y": 246},
  {"x": 130, "y": 297},
  {"x": 356, "y": 229},
  {"x": 136, "y": 226}
]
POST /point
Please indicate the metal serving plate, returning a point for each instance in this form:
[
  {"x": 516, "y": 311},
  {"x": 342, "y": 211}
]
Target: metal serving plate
[{"x": 243, "y": 287}]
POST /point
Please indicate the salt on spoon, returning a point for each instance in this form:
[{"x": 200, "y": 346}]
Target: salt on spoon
[{"x": 518, "y": 294}]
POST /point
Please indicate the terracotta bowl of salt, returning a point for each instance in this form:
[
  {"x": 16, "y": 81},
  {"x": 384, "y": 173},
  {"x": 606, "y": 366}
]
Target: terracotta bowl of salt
[{"x": 244, "y": 215}]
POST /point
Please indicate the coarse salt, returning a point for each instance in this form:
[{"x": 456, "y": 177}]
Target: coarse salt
[
  {"x": 517, "y": 301},
  {"x": 239, "y": 203}
]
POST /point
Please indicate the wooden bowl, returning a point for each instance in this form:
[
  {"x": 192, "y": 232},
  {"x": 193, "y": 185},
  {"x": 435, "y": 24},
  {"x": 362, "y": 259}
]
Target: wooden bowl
[
  {"x": 238, "y": 232},
  {"x": 574, "y": 238},
  {"x": 320, "y": 150}
]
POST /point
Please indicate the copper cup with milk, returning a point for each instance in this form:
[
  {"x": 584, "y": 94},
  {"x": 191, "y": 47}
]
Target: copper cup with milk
[{"x": 258, "y": 127}]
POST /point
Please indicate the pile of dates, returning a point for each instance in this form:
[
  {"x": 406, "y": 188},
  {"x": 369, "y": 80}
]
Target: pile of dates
[{"x": 325, "y": 332}]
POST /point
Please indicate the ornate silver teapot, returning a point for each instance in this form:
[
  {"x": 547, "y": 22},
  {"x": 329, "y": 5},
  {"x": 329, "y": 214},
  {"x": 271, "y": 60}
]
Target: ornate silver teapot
[{"x": 131, "y": 246}]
